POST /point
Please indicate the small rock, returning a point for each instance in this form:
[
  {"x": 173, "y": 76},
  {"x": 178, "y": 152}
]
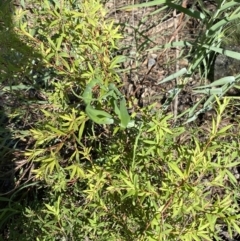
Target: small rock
[
  {"x": 226, "y": 66},
  {"x": 151, "y": 62}
]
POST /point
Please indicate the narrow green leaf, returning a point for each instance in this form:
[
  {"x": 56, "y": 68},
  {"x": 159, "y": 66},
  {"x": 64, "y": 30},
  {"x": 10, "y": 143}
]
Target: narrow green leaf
[
  {"x": 236, "y": 226},
  {"x": 148, "y": 4},
  {"x": 99, "y": 116},
  {"x": 50, "y": 208},
  {"x": 59, "y": 41},
  {"x": 207, "y": 91},
  {"x": 174, "y": 76},
  {"x": 233, "y": 164},
  {"x": 80, "y": 132},
  {"x": 87, "y": 95},
  {"x": 116, "y": 109},
  {"x": 117, "y": 60},
  {"x": 224, "y": 129},
  {"x": 129, "y": 193},
  {"x": 55, "y": 130},
  {"x": 219, "y": 82},
  {"x": 172, "y": 45},
  {"x": 229, "y": 53},
  {"x": 188, "y": 11},
  {"x": 51, "y": 43},
  {"x": 90, "y": 67},
  {"x": 175, "y": 168},
  {"x": 23, "y": 4},
  {"x": 125, "y": 118},
  {"x": 149, "y": 142},
  {"x": 231, "y": 177}
]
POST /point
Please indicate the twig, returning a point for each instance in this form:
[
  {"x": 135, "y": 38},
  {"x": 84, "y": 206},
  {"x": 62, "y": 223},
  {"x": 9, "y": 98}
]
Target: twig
[
  {"x": 179, "y": 26},
  {"x": 175, "y": 105}
]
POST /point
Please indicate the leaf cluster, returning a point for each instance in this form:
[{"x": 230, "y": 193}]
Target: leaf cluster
[
  {"x": 101, "y": 174},
  {"x": 146, "y": 185}
]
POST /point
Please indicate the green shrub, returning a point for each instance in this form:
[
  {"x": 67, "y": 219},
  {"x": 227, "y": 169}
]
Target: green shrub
[
  {"x": 103, "y": 175},
  {"x": 77, "y": 43},
  {"x": 147, "y": 184}
]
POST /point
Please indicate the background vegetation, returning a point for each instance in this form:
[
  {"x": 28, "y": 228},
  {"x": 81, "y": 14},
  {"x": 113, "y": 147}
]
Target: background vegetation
[{"x": 81, "y": 161}]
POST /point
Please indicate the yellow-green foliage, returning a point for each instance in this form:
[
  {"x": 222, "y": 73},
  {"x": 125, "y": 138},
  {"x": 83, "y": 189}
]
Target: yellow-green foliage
[
  {"x": 76, "y": 42},
  {"x": 120, "y": 180},
  {"x": 146, "y": 186}
]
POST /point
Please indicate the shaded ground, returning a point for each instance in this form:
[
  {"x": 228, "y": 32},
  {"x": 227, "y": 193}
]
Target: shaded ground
[
  {"x": 147, "y": 65},
  {"x": 20, "y": 97},
  {"x": 144, "y": 31}
]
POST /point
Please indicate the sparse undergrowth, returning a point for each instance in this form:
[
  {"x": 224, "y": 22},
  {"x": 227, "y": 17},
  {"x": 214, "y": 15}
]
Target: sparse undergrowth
[{"x": 82, "y": 167}]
